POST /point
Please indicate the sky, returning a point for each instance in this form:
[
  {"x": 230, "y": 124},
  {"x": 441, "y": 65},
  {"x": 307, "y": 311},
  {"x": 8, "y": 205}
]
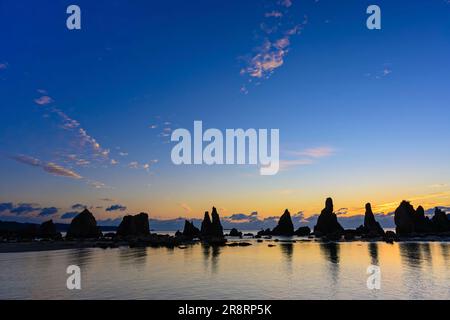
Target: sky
[{"x": 87, "y": 115}]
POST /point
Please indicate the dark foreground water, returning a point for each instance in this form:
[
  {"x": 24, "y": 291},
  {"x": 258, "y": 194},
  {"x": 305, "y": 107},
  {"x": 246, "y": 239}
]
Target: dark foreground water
[{"x": 302, "y": 270}]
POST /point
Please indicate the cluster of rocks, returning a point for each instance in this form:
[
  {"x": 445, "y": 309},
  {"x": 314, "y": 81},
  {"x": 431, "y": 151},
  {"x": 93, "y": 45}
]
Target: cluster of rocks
[
  {"x": 285, "y": 227},
  {"x": 410, "y": 222},
  {"x": 211, "y": 230},
  {"x": 135, "y": 229},
  {"x": 27, "y": 231}
]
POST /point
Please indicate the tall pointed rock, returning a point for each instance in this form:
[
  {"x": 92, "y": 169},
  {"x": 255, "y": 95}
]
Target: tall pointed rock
[
  {"x": 327, "y": 222},
  {"x": 285, "y": 227}
]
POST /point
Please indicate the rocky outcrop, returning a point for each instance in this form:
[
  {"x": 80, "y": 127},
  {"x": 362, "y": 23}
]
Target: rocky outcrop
[
  {"x": 410, "y": 222},
  {"x": 404, "y": 219},
  {"x": 440, "y": 221},
  {"x": 216, "y": 226},
  {"x": 327, "y": 223},
  {"x": 285, "y": 227},
  {"x": 134, "y": 226},
  {"x": 371, "y": 228},
  {"x": 211, "y": 228},
  {"x": 263, "y": 232},
  {"x": 303, "y": 231},
  {"x": 235, "y": 233},
  {"x": 390, "y": 237},
  {"x": 205, "y": 228},
  {"x": 422, "y": 224},
  {"x": 47, "y": 230},
  {"x": 84, "y": 225},
  {"x": 190, "y": 231}
]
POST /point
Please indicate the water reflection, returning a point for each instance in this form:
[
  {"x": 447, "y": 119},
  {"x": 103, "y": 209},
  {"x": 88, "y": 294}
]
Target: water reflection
[
  {"x": 287, "y": 250},
  {"x": 330, "y": 251},
  {"x": 211, "y": 253},
  {"x": 373, "y": 252},
  {"x": 324, "y": 270},
  {"x": 445, "y": 250},
  {"x": 411, "y": 254},
  {"x": 81, "y": 257},
  {"x": 418, "y": 269}
]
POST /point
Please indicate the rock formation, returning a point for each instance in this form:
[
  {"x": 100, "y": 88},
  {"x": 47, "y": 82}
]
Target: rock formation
[
  {"x": 414, "y": 222},
  {"x": 422, "y": 224},
  {"x": 327, "y": 223},
  {"x": 84, "y": 225},
  {"x": 371, "y": 227},
  {"x": 190, "y": 231},
  {"x": 263, "y": 232},
  {"x": 285, "y": 227},
  {"x": 440, "y": 221},
  {"x": 211, "y": 229},
  {"x": 404, "y": 219},
  {"x": 47, "y": 230},
  {"x": 205, "y": 229},
  {"x": 303, "y": 231},
  {"x": 216, "y": 226},
  {"x": 134, "y": 225},
  {"x": 235, "y": 233}
]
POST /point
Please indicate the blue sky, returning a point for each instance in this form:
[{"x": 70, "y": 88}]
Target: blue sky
[{"x": 363, "y": 114}]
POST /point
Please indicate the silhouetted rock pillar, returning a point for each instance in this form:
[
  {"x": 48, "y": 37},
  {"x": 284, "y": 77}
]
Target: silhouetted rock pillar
[
  {"x": 440, "y": 221},
  {"x": 212, "y": 229},
  {"x": 205, "y": 229},
  {"x": 190, "y": 231},
  {"x": 404, "y": 219},
  {"x": 216, "y": 226},
  {"x": 370, "y": 224},
  {"x": 327, "y": 223},
  {"x": 421, "y": 223},
  {"x": 285, "y": 227}
]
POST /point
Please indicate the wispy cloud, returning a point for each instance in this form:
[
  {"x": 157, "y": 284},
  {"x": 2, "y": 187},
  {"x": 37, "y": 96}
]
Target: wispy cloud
[
  {"x": 69, "y": 215},
  {"x": 438, "y": 185},
  {"x": 49, "y": 167},
  {"x": 276, "y": 32},
  {"x": 48, "y": 211},
  {"x": 305, "y": 157},
  {"x": 288, "y": 164},
  {"x": 185, "y": 207},
  {"x": 43, "y": 100},
  {"x": 78, "y": 206},
  {"x": 116, "y": 207},
  {"x": 4, "y": 65},
  {"x": 317, "y": 152},
  {"x": 6, "y": 206},
  {"x": 385, "y": 71},
  {"x": 60, "y": 171},
  {"x": 24, "y": 208}
]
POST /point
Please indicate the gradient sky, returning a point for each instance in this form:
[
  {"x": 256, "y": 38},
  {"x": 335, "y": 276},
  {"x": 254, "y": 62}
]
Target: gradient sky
[{"x": 86, "y": 115}]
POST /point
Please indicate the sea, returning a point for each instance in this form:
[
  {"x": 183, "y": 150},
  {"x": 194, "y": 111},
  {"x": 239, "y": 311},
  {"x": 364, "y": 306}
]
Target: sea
[{"x": 273, "y": 269}]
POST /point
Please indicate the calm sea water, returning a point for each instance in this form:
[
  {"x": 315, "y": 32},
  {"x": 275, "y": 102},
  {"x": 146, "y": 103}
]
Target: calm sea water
[{"x": 302, "y": 270}]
